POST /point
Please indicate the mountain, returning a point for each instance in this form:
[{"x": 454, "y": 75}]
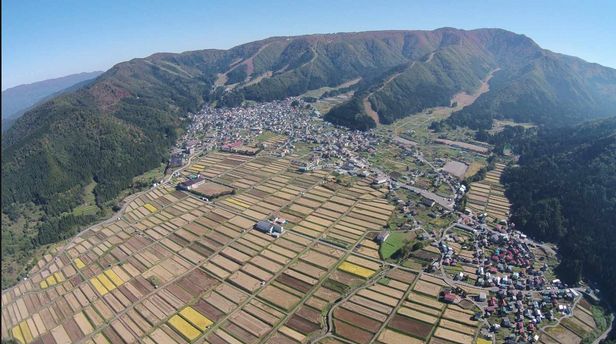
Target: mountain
[
  {"x": 18, "y": 99},
  {"x": 564, "y": 191},
  {"x": 121, "y": 124}
]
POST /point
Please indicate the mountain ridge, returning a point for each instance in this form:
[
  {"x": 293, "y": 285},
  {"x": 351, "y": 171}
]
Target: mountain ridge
[
  {"x": 19, "y": 99},
  {"x": 122, "y": 124}
]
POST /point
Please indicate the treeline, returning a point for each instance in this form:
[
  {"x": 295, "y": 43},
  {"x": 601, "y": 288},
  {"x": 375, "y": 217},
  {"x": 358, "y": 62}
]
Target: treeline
[
  {"x": 59, "y": 228},
  {"x": 350, "y": 114},
  {"x": 564, "y": 191},
  {"x": 517, "y": 138}
]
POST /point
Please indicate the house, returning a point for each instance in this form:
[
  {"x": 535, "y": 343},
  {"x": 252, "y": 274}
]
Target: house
[
  {"x": 306, "y": 167},
  {"x": 380, "y": 180},
  {"x": 428, "y": 202},
  {"x": 280, "y": 220},
  {"x": 449, "y": 297},
  {"x": 270, "y": 228},
  {"x": 176, "y": 160},
  {"x": 482, "y": 297},
  {"x": 382, "y": 236},
  {"x": 231, "y": 146},
  {"x": 191, "y": 183}
]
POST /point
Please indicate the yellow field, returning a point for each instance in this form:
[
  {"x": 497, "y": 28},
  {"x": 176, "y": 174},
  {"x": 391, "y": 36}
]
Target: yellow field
[
  {"x": 150, "y": 207},
  {"x": 17, "y": 334},
  {"x": 239, "y": 203},
  {"x": 51, "y": 280},
  {"x": 184, "y": 328},
  {"x": 106, "y": 282},
  {"x": 98, "y": 286},
  {"x": 43, "y": 285},
  {"x": 356, "y": 269},
  {"x": 25, "y": 331},
  {"x": 114, "y": 277},
  {"x": 79, "y": 263},
  {"x": 58, "y": 276},
  {"x": 196, "y": 318}
]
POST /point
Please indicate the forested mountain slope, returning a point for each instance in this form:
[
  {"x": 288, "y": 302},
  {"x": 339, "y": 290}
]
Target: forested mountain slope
[
  {"x": 564, "y": 191},
  {"x": 16, "y": 100}
]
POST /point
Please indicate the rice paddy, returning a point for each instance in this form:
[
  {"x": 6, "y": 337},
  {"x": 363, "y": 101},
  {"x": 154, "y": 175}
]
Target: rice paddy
[
  {"x": 176, "y": 269},
  {"x": 488, "y": 196}
]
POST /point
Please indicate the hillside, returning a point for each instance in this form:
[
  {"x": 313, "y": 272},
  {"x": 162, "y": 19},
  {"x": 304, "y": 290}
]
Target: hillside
[
  {"x": 122, "y": 124},
  {"x": 564, "y": 191},
  {"x": 16, "y": 100}
]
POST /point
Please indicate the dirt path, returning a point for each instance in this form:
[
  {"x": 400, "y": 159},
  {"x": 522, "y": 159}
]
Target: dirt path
[
  {"x": 222, "y": 77},
  {"x": 370, "y": 111},
  {"x": 366, "y": 103}
]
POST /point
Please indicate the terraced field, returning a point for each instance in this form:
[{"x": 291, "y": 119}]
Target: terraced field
[
  {"x": 488, "y": 195},
  {"x": 174, "y": 268}
]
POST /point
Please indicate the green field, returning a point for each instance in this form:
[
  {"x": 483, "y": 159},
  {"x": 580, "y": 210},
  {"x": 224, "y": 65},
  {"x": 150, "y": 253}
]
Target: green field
[
  {"x": 264, "y": 136},
  {"x": 88, "y": 207},
  {"x": 392, "y": 244}
]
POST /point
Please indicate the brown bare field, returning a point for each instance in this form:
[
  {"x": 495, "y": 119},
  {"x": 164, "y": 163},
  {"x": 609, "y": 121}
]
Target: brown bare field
[
  {"x": 244, "y": 281},
  {"x": 459, "y": 316},
  {"x": 413, "y": 327},
  {"x": 562, "y": 335},
  {"x": 240, "y": 333},
  {"x": 433, "y": 279},
  {"x": 427, "y": 288},
  {"x": 352, "y": 333},
  {"x": 310, "y": 314},
  {"x": 211, "y": 189},
  {"x": 422, "y": 308},
  {"x": 425, "y": 254},
  {"x": 426, "y": 301},
  {"x": 453, "y": 336},
  {"x": 584, "y": 317},
  {"x": 452, "y": 325},
  {"x": 575, "y": 325},
  {"x": 411, "y": 313},
  {"x": 358, "y": 320},
  {"x": 387, "y": 291},
  {"x": 294, "y": 283},
  {"x": 372, "y": 265},
  {"x": 376, "y": 306},
  {"x": 308, "y": 269},
  {"x": 319, "y": 259},
  {"x": 279, "y": 297},
  {"x": 390, "y": 301},
  {"x": 456, "y": 168},
  {"x": 364, "y": 311},
  {"x": 302, "y": 325},
  {"x": 391, "y": 337},
  {"x": 250, "y": 323},
  {"x": 403, "y": 276}
]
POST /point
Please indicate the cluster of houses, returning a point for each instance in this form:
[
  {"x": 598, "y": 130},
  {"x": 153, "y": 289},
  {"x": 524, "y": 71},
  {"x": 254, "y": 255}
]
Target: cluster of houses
[
  {"x": 516, "y": 295},
  {"x": 236, "y": 129}
]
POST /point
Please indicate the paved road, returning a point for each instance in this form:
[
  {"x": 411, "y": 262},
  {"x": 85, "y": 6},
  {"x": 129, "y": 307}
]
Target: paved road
[{"x": 607, "y": 332}]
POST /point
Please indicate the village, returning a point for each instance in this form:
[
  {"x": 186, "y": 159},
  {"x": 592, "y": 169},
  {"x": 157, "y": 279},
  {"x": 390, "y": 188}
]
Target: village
[
  {"x": 506, "y": 269},
  {"x": 272, "y": 225}
]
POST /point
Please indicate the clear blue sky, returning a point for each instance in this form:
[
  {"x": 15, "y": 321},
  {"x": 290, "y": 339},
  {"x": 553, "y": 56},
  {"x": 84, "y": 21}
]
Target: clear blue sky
[{"x": 42, "y": 39}]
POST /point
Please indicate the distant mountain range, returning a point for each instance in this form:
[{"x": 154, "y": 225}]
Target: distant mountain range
[
  {"x": 17, "y": 100},
  {"x": 122, "y": 123}
]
